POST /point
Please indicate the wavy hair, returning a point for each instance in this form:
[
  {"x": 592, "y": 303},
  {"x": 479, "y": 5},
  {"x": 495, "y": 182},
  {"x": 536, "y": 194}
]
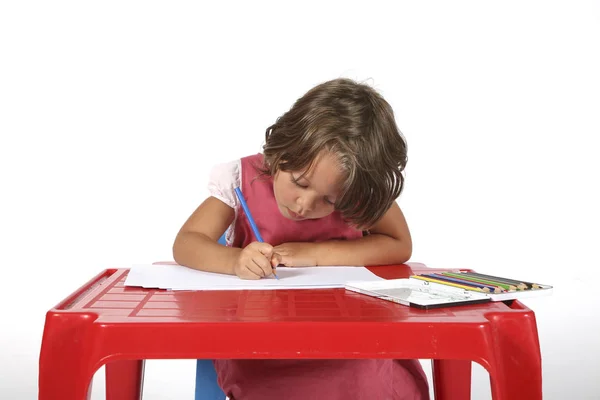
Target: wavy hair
[{"x": 357, "y": 125}]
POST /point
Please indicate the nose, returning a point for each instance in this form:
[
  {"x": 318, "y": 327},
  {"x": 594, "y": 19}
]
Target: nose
[{"x": 306, "y": 203}]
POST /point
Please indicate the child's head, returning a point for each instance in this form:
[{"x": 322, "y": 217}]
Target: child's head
[{"x": 337, "y": 148}]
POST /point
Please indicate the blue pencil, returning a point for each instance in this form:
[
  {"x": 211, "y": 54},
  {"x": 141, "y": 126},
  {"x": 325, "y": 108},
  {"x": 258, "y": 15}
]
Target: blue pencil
[{"x": 240, "y": 196}]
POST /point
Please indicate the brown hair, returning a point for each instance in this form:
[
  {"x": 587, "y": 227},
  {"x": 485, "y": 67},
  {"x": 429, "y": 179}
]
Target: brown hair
[{"x": 356, "y": 124}]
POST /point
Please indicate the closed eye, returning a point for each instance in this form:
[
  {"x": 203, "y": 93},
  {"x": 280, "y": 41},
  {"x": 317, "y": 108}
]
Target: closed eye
[{"x": 297, "y": 183}]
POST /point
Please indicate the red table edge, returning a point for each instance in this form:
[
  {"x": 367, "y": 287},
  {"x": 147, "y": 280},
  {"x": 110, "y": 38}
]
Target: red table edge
[
  {"x": 105, "y": 274},
  {"x": 88, "y": 287}
]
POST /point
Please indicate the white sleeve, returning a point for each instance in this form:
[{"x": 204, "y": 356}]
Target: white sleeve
[{"x": 222, "y": 181}]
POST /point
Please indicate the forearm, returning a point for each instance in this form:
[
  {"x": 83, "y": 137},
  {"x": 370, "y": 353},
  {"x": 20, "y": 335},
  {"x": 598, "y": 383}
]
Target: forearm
[
  {"x": 375, "y": 249},
  {"x": 198, "y": 251}
]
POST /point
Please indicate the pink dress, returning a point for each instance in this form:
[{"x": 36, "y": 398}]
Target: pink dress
[{"x": 300, "y": 379}]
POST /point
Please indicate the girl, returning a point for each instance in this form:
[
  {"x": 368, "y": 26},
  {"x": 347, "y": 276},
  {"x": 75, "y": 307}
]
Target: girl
[{"x": 322, "y": 193}]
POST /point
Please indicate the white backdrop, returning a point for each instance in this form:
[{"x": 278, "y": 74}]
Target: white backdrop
[{"x": 111, "y": 114}]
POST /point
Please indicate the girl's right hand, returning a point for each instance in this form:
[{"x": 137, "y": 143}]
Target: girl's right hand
[{"x": 256, "y": 261}]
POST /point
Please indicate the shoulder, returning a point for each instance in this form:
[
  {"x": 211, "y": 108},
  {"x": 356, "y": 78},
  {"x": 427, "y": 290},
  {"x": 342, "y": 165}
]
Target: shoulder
[
  {"x": 223, "y": 179},
  {"x": 226, "y": 176},
  {"x": 227, "y": 171}
]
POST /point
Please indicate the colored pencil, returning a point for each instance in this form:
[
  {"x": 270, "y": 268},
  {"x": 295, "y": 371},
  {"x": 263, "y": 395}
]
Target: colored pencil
[
  {"x": 503, "y": 286},
  {"x": 518, "y": 285},
  {"x": 423, "y": 278},
  {"x": 471, "y": 279},
  {"x": 495, "y": 285},
  {"x": 238, "y": 192},
  {"x": 510, "y": 288},
  {"x": 485, "y": 288},
  {"x": 512, "y": 281}
]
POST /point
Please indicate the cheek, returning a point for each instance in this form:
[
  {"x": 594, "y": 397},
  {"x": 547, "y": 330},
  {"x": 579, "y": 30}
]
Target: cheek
[
  {"x": 323, "y": 211},
  {"x": 283, "y": 191},
  {"x": 288, "y": 193}
]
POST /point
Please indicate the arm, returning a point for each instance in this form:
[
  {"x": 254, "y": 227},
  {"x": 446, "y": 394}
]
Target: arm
[
  {"x": 196, "y": 245},
  {"x": 389, "y": 243}
]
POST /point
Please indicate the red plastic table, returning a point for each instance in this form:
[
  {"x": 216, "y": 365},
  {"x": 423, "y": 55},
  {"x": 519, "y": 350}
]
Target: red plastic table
[{"x": 104, "y": 322}]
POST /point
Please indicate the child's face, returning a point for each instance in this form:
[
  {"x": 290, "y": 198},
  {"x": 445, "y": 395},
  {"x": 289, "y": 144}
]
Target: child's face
[{"x": 309, "y": 194}]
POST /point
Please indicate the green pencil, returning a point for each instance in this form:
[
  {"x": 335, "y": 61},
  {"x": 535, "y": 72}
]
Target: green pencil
[
  {"x": 523, "y": 284},
  {"x": 505, "y": 286}
]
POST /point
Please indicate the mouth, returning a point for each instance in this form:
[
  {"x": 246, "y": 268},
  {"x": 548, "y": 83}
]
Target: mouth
[{"x": 293, "y": 215}]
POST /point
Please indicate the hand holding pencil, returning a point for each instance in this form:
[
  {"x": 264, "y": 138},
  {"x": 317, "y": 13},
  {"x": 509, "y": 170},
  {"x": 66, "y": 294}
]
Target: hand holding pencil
[
  {"x": 247, "y": 267},
  {"x": 256, "y": 261}
]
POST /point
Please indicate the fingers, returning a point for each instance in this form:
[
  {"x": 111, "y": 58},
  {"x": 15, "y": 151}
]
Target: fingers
[
  {"x": 276, "y": 259},
  {"x": 246, "y": 273},
  {"x": 250, "y": 268},
  {"x": 264, "y": 248},
  {"x": 280, "y": 250},
  {"x": 255, "y": 261},
  {"x": 264, "y": 266},
  {"x": 286, "y": 260}
]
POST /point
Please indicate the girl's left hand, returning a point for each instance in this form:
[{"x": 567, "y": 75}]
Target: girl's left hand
[{"x": 297, "y": 254}]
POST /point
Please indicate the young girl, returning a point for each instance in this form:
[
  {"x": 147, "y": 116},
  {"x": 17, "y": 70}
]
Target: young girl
[{"x": 322, "y": 193}]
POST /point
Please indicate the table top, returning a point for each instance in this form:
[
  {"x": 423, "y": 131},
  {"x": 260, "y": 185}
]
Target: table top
[{"x": 111, "y": 301}]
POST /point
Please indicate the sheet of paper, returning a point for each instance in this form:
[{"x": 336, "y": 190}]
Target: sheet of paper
[
  {"x": 177, "y": 277},
  {"x": 415, "y": 292}
]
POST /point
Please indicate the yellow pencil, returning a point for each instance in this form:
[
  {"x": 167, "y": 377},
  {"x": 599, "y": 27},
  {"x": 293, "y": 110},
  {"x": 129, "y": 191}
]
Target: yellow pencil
[{"x": 476, "y": 289}]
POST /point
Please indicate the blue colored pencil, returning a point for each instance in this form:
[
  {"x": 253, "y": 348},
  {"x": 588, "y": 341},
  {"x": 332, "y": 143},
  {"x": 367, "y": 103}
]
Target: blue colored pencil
[{"x": 240, "y": 196}]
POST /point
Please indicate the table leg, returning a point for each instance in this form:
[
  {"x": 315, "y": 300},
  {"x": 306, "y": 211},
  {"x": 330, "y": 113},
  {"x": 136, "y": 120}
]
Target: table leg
[
  {"x": 452, "y": 379},
  {"x": 124, "y": 379},
  {"x": 516, "y": 369},
  {"x": 56, "y": 384},
  {"x": 66, "y": 362}
]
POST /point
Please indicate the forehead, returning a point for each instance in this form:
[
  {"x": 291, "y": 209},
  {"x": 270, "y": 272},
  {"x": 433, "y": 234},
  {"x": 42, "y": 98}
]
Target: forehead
[{"x": 325, "y": 175}]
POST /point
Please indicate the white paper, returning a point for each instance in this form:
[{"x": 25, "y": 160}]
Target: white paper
[
  {"x": 177, "y": 277},
  {"x": 417, "y": 291},
  {"x": 407, "y": 291}
]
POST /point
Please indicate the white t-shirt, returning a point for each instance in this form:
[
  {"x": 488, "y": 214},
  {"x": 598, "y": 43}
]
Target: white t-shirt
[{"x": 222, "y": 181}]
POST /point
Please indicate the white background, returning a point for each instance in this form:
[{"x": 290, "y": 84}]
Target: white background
[{"x": 107, "y": 110}]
